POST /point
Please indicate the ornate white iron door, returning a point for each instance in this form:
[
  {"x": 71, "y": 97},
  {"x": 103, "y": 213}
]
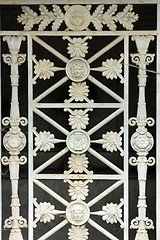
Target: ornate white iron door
[
  {"x": 87, "y": 140},
  {"x": 78, "y": 123}
]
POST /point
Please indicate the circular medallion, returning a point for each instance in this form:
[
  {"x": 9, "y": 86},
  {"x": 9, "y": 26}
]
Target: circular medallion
[
  {"x": 77, "y": 18},
  {"x": 78, "y": 141},
  {"x": 77, "y": 213},
  {"x": 77, "y": 69},
  {"x": 142, "y": 141},
  {"x": 14, "y": 141}
]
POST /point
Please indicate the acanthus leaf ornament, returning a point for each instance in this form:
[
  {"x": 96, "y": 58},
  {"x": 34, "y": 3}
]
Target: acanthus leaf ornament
[
  {"x": 78, "y": 232},
  {"x": 44, "y": 141},
  {"x": 78, "y": 17},
  {"x": 111, "y": 141},
  {"x": 78, "y": 163},
  {"x": 77, "y": 47},
  {"x": 14, "y": 140},
  {"x": 78, "y": 119},
  {"x": 45, "y": 212},
  {"x": 108, "y": 17},
  {"x": 127, "y": 17},
  {"x": 111, "y": 213},
  {"x": 111, "y": 68},
  {"x": 78, "y": 190},
  {"x": 78, "y": 91},
  {"x": 142, "y": 141},
  {"x": 44, "y": 69}
]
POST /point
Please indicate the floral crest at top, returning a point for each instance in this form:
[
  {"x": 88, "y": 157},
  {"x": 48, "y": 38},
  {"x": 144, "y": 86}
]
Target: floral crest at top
[
  {"x": 77, "y": 47},
  {"x": 78, "y": 17}
]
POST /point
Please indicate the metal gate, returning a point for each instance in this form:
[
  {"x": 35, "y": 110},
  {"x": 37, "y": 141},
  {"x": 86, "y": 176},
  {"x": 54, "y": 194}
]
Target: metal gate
[{"x": 77, "y": 60}]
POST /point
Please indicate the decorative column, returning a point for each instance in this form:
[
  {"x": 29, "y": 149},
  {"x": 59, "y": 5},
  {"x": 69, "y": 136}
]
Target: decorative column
[
  {"x": 14, "y": 140},
  {"x": 142, "y": 141}
]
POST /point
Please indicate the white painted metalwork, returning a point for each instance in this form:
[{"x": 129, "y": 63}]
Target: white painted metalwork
[
  {"x": 78, "y": 105},
  {"x": 14, "y": 140},
  {"x": 78, "y": 140},
  {"x": 72, "y": 13},
  {"x": 142, "y": 140}
]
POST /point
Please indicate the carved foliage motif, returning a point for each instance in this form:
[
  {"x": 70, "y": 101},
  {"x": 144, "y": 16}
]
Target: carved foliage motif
[
  {"x": 44, "y": 141},
  {"x": 78, "y": 119},
  {"x": 78, "y": 92},
  {"x": 78, "y": 163},
  {"x": 111, "y": 141},
  {"x": 112, "y": 68},
  {"x": 44, "y": 212},
  {"x": 44, "y": 69},
  {"x": 78, "y": 233},
  {"x": 77, "y": 47},
  {"x": 78, "y": 190},
  {"x": 78, "y": 17},
  {"x": 113, "y": 213}
]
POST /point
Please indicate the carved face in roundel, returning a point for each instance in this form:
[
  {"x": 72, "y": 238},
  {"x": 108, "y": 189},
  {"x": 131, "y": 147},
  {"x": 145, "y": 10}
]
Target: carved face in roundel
[
  {"x": 77, "y": 70},
  {"x": 77, "y": 17},
  {"x": 77, "y": 213}
]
